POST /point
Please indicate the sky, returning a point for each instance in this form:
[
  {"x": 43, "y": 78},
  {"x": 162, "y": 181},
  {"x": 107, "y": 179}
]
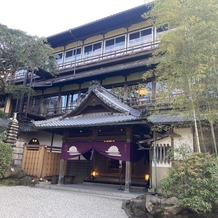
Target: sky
[{"x": 49, "y": 17}]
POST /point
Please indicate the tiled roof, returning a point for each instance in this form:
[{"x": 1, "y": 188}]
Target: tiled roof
[
  {"x": 111, "y": 100},
  {"x": 95, "y": 119},
  {"x": 24, "y": 127},
  {"x": 168, "y": 118},
  {"x": 124, "y": 114},
  {"x": 107, "y": 98}
]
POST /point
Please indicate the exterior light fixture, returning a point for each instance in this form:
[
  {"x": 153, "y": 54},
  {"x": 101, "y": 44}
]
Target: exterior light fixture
[
  {"x": 94, "y": 174},
  {"x": 147, "y": 177}
]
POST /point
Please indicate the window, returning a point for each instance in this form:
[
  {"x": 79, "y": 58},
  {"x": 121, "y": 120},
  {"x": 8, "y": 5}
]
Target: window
[
  {"x": 20, "y": 74},
  {"x": 53, "y": 106},
  {"x": 140, "y": 93},
  {"x": 35, "y": 109},
  {"x": 140, "y": 37},
  {"x": 59, "y": 58},
  {"x": 50, "y": 105},
  {"x": 73, "y": 55},
  {"x": 73, "y": 101},
  {"x": 63, "y": 103},
  {"x": 115, "y": 44},
  {"x": 93, "y": 49},
  {"x": 162, "y": 29},
  {"x": 146, "y": 35}
]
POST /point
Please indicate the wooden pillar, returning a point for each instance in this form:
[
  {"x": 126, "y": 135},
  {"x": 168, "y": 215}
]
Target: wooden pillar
[
  {"x": 61, "y": 172},
  {"x": 128, "y": 172}
]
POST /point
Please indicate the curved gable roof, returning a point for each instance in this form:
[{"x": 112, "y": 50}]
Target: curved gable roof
[
  {"x": 119, "y": 113},
  {"x": 108, "y": 98}
]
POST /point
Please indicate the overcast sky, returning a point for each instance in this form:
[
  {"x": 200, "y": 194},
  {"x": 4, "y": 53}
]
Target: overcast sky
[{"x": 48, "y": 17}]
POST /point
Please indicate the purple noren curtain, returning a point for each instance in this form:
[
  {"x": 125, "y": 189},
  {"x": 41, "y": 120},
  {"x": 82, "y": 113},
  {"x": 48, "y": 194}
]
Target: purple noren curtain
[{"x": 124, "y": 151}]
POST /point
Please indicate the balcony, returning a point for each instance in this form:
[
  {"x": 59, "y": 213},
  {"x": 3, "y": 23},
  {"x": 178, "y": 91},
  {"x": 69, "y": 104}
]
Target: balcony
[{"x": 122, "y": 54}]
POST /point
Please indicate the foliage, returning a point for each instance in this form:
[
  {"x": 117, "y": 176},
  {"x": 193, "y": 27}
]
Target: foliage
[
  {"x": 187, "y": 70},
  {"x": 5, "y": 157},
  {"x": 19, "y": 51},
  {"x": 194, "y": 181}
]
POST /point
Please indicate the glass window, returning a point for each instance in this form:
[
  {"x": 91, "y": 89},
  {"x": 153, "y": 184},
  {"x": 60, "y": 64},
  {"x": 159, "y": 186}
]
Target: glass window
[
  {"x": 162, "y": 29},
  {"x": 20, "y": 74},
  {"x": 35, "y": 108},
  {"x": 109, "y": 45},
  {"x": 59, "y": 58},
  {"x": 88, "y": 49},
  {"x": 77, "y": 54},
  {"x": 69, "y": 54},
  {"x": 93, "y": 49},
  {"x": 97, "y": 48},
  {"x": 120, "y": 42},
  {"x": 73, "y": 55},
  {"x": 115, "y": 43},
  {"x": 146, "y": 32},
  {"x": 146, "y": 35},
  {"x": 53, "y": 106},
  {"x": 134, "y": 36},
  {"x": 50, "y": 105},
  {"x": 63, "y": 103},
  {"x": 73, "y": 101},
  {"x": 140, "y": 37}
]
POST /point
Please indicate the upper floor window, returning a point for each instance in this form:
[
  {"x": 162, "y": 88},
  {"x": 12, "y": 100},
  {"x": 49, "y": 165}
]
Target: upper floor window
[
  {"x": 73, "y": 100},
  {"x": 20, "y": 74},
  {"x": 73, "y": 55},
  {"x": 115, "y": 43},
  {"x": 63, "y": 103},
  {"x": 93, "y": 49},
  {"x": 162, "y": 29},
  {"x": 59, "y": 58},
  {"x": 140, "y": 37}
]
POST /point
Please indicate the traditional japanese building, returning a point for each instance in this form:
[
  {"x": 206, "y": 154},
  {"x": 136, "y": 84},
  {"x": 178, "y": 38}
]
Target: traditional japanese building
[{"x": 98, "y": 109}]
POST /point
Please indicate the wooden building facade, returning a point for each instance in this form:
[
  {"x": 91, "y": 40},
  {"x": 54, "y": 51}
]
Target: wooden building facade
[{"x": 97, "y": 109}]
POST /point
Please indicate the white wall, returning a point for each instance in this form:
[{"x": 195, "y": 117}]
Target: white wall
[
  {"x": 44, "y": 138},
  {"x": 185, "y": 139}
]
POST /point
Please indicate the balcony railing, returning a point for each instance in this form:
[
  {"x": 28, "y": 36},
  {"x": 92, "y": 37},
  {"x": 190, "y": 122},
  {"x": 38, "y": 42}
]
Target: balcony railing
[
  {"x": 44, "y": 111},
  {"x": 109, "y": 55}
]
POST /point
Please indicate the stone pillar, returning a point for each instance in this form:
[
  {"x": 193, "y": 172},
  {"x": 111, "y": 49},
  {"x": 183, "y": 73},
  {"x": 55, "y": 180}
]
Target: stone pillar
[{"x": 18, "y": 152}]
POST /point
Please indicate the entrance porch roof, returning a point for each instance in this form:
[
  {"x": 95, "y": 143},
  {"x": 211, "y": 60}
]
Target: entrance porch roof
[{"x": 87, "y": 120}]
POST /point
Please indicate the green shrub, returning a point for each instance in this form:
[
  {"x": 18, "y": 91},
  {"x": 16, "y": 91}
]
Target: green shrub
[
  {"x": 194, "y": 181},
  {"x": 5, "y": 157}
]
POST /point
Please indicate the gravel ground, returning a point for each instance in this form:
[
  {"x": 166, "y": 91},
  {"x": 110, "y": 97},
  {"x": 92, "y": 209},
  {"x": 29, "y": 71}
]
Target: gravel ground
[{"x": 19, "y": 201}]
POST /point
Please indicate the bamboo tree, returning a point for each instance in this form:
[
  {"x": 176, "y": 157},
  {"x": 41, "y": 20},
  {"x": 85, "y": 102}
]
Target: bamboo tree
[{"x": 187, "y": 56}]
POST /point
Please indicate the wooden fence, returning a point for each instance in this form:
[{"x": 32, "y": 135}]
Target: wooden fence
[{"x": 38, "y": 162}]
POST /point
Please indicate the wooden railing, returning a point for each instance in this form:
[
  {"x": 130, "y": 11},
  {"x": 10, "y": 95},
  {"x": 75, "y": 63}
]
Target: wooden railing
[{"x": 108, "y": 55}]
